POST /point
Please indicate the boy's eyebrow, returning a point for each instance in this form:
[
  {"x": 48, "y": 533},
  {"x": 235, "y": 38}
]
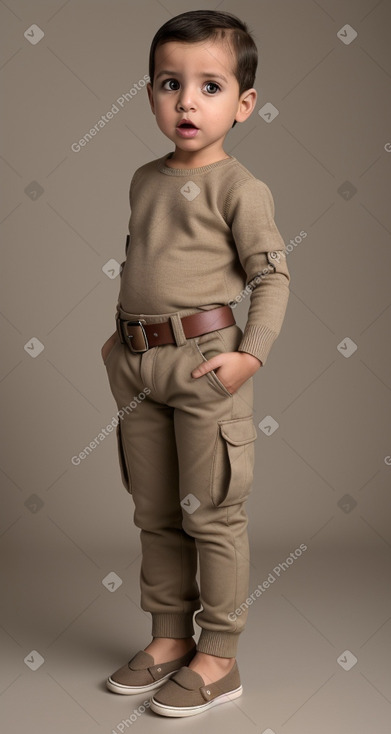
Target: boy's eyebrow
[{"x": 166, "y": 72}]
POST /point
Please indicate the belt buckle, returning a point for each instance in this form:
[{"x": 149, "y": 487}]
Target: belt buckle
[{"x": 128, "y": 337}]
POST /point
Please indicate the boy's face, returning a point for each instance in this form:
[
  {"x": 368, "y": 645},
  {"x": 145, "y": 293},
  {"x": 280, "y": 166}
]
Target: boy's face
[{"x": 195, "y": 81}]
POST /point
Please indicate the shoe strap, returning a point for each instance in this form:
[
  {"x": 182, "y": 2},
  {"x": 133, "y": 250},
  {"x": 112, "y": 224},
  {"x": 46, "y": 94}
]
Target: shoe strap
[{"x": 141, "y": 660}]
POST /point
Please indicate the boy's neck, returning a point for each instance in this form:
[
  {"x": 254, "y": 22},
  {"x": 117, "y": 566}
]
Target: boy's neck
[{"x": 198, "y": 159}]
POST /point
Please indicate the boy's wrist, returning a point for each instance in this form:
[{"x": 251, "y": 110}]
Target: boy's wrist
[{"x": 253, "y": 357}]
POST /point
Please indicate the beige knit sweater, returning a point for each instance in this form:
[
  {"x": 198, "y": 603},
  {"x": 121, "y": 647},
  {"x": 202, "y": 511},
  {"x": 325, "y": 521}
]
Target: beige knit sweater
[{"x": 198, "y": 236}]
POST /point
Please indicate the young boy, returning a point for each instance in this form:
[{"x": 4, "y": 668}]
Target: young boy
[{"x": 201, "y": 234}]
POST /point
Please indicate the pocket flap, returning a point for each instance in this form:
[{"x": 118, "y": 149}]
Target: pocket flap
[{"x": 238, "y": 431}]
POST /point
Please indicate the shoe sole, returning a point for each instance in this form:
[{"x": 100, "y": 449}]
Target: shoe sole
[
  {"x": 164, "y": 710},
  {"x": 132, "y": 690}
]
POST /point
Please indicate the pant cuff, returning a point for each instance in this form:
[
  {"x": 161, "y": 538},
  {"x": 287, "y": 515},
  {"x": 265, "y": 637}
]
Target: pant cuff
[
  {"x": 172, "y": 625},
  {"x": 221, "y": 644}
]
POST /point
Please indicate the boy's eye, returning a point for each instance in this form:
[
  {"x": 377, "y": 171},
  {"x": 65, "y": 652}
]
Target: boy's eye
[
  {"x": 212, "y": 87},
  {"x": 171, "y": 84}
]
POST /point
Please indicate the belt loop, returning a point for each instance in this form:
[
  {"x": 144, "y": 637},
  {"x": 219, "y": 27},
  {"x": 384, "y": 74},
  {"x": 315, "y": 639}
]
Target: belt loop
[{"x": 177, "y": 327}]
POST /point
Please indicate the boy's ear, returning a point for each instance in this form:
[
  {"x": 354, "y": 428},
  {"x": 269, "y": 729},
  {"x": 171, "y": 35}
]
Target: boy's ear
[
  {"x": 247, "y": 101},
  {"x": 150, "y": 96}
]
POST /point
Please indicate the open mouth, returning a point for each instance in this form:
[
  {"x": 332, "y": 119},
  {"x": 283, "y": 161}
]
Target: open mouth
[
  {"x": 187, "y": 129},
  {"x": 187, "y": 126}
]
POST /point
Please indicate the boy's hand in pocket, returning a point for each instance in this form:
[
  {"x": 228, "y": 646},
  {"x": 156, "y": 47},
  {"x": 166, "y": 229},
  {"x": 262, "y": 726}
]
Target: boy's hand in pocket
[{"x": 234, "y": 368}]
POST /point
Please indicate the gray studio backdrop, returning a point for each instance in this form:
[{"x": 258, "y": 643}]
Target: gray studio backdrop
[{"x": 320, "y": 138}]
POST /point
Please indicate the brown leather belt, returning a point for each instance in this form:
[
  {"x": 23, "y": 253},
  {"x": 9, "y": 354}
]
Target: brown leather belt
[{"x": 140, "y": 336}]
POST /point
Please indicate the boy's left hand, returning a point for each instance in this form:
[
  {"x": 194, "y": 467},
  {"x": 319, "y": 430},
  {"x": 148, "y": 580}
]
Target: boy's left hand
[{"x": 235, "y": 368}]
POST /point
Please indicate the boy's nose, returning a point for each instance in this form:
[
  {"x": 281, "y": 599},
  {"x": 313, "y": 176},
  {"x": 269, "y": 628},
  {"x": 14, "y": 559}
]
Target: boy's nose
[{"x": 185, "y": 99}]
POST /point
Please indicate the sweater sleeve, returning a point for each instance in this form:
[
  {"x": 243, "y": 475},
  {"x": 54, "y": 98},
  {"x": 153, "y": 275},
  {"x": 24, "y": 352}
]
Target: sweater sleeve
[
  {"x": 128, "y": 238},
  {"x": 249, "y": 211}
]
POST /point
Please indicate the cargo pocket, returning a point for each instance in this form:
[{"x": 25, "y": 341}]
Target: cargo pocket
[
  {"x": 125, "y": 475},
  {"x": 233, "y": 461}
]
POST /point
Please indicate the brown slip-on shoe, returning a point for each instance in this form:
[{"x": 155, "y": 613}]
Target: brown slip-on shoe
[
  {"x": 186, "y": 694},
  {"x": 141, "y": 675}
]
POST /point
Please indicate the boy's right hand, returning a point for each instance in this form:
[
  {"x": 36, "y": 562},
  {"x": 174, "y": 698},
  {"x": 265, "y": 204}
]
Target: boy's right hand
[{"x": 108, "y": 345}]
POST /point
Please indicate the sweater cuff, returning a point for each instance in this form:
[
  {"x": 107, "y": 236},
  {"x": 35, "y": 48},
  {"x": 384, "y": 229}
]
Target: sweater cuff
[{"x": 258, "y": 341}]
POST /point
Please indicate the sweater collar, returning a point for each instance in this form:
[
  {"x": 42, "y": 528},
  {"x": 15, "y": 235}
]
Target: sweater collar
[{"x": 193, "y": 171}]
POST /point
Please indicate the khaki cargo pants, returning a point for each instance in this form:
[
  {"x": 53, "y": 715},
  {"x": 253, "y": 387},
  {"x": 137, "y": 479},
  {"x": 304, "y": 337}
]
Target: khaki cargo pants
[{"x": 186, "y": 453}]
